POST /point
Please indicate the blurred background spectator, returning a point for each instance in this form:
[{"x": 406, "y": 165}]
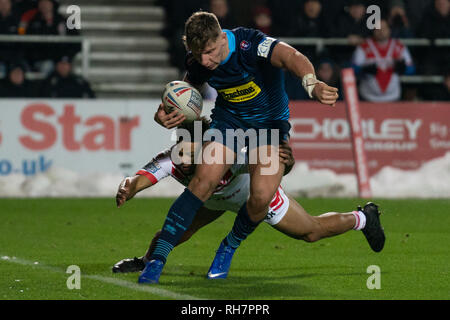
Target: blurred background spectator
[
  {"x": 310, "y": 22},
  {"x": 15, "y": 85},
  {"x": 262, "y": 19},
  {"x": 436, "y": 20},
  {"x": 9, "y": 22},
  {"x": 379, "y": 61},
  {"x": 63, "y": 83},
  {"x": 399, "y": 22},
  {"x": 410, "y": 19},
  {"x": 435, "y": 24},
  {"x": 178, "y": 12},
  {"x": 223, "y": 12},
  {"x": 328, "y": 72},
  {"x": 352, "y": 23},
  {"x": 47, "y": 21},
  {"x": 9, "y": 18}
]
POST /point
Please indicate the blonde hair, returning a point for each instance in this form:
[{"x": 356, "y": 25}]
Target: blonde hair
[{"x": 200, "y": 28}]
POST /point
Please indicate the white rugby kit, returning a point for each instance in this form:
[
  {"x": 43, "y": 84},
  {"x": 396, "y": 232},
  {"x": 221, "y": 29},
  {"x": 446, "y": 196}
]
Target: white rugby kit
[{"x": 231, "y": 193}]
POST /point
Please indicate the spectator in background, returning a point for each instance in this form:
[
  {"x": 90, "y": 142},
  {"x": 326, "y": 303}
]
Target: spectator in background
[
  {"x": 15, "y": 85},
  {"x": 310, "y": 22},
  {"x": 352, "y": 23},
  {"x": 27, "y": 10},
  {"x": 379, "y": 62},
  {"x": 9, "y": 20},
  {"x": 47, "y": 21},
  {"x": 414, "y": 12},
  {"x": 222, "y": 11},
  {"x": 262, "y": 19},
  {"x": 398, "y": 21},
  {"x": 436, "y": 24},
  {"x": 62, "y": 83},
  {"x": 176, "y": 14},
  {"x": 436, "y": 21},
  {"x": 328, "y": 72}
]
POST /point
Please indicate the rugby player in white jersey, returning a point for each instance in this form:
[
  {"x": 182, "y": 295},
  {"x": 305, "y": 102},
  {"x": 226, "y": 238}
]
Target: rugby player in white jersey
[{"x": 285, "y": 214}]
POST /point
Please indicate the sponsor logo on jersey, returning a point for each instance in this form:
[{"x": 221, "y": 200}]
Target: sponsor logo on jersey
[
  {"x": 241, "y": 93},
  {"x": 245, "y": 45},
  {"x": 264, "y": 47},
  {"x": 152, "y": 167}
]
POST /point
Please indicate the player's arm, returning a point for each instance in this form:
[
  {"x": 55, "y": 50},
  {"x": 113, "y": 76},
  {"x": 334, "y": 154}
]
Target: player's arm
[
  {"x": 287, "y": 57},
  {"x": 129, "y": 187},
  {"x": 195, "y": 75},
  {"x": 173, "y": 119},
  {"x": 168, "y": 120}
]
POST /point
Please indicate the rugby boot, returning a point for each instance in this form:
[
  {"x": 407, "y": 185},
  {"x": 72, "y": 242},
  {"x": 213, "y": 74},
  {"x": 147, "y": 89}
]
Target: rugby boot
[
  {"x": 152, "y": 272},
  {"x": 221, "y": 263},
  {"x": 373, "y": 231},
  {"x": 129, "y": 265}
]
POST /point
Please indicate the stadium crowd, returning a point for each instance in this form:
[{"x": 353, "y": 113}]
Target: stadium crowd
[
  {"x": 405, "y": 19},
  {"x": 409, "y": 19},
  {"x": 53, "y": 60}
]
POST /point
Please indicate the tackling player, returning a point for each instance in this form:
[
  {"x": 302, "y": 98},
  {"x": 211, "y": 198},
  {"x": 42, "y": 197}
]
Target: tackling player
[{"x": 285, "y": 214}]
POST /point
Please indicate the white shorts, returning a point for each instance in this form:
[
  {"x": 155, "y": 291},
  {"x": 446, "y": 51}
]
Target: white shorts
[
  {"x": 233, "y": 196},
  {"x": 278, "y": 207}
]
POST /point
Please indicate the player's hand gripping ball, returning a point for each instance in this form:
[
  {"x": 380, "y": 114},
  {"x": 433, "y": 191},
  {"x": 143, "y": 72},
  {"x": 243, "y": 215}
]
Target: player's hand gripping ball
[{"x": 184, "y": 97}]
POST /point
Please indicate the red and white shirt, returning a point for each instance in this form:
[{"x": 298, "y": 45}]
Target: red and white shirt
[
  {"x": 231, "y": 193},
  {"x": 385, "y": 85}
]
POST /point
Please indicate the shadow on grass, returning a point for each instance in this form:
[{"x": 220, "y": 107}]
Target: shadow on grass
[
  {"x": 277, "y": 283},
  {"x": 243, "y": 283}
]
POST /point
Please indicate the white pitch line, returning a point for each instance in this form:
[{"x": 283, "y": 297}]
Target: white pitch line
[{"x": 118, "y": 282}]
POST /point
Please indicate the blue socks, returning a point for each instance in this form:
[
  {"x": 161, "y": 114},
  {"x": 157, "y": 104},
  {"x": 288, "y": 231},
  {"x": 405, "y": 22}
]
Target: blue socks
[
  {"x": 178, "y": 220},
  {"x": 242, "y": 227}
]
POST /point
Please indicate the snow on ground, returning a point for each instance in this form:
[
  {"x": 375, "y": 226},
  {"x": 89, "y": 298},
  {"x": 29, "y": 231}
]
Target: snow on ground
[{"x": 432, "y": 180}]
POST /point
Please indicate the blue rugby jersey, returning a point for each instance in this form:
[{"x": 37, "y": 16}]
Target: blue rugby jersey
[{"x": 248, "y": 86}]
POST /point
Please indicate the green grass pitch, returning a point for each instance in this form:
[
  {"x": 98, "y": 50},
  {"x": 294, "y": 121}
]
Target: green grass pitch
[{"x": 40, "y": 238}]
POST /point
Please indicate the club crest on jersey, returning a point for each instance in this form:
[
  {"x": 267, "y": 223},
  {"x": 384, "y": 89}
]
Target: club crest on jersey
[
  {"x": 245, "y": 45},
  {"x": 241, "y": 93}
]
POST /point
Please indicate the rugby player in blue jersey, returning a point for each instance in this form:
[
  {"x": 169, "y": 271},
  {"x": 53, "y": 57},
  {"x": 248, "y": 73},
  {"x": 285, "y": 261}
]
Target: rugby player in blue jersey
[{"x": 245, "y": 67}]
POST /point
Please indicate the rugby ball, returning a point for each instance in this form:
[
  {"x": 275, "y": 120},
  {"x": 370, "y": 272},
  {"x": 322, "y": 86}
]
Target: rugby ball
[{"x": 184, "y": 97}]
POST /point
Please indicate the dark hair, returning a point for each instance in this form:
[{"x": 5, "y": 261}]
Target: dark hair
[{"x": 16, "y": 64}]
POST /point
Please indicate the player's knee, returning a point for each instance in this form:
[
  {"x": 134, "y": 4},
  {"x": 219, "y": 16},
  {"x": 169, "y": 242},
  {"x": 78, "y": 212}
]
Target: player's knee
[
  {"x": 260, "y": 200},
  {"x": 202, "y": 187}
]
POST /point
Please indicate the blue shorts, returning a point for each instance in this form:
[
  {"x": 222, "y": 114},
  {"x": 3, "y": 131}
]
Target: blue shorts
[{"x": 225, "y": 129}]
